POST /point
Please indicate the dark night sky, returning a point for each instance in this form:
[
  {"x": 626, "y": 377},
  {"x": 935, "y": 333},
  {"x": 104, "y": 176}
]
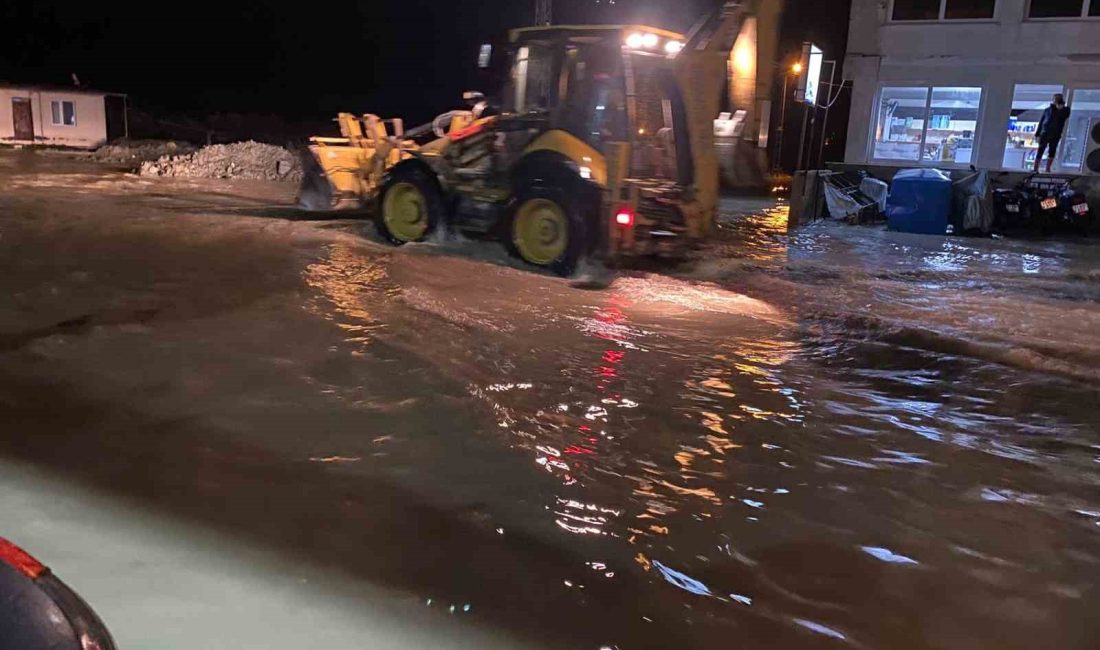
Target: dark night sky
[{"x": 412, "y": 57}]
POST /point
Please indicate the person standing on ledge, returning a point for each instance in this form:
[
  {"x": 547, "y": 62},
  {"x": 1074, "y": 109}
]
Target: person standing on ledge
[{"x": 1050, "y": 129}]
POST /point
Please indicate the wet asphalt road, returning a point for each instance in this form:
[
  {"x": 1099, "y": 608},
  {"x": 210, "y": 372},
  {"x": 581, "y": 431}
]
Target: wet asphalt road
[{"x": 263, "y": 423}]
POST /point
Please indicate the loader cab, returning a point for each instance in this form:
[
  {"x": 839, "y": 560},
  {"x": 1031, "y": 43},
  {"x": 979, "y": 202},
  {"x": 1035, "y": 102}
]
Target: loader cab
[{"x": 605, "y": 84}]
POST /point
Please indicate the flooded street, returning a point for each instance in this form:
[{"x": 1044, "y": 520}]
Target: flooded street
[{"x": 223, "y": 421}]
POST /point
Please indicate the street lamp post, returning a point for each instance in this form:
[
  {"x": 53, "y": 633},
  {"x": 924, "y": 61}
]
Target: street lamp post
[
  {"x": 828, "y": 104},
  {"x": 794, "y": 70}
]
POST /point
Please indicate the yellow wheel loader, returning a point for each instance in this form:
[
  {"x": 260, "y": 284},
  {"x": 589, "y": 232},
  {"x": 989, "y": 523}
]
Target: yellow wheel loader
[{"x": 602, "y": 145}]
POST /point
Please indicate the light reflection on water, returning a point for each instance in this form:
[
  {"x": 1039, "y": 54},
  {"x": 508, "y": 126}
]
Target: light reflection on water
[
  {"x": 343, "y": 279},
  {"x": 704, "y": 458},
  {"x": 723, "y": 450},
  {"x": 605, "y": 434}
]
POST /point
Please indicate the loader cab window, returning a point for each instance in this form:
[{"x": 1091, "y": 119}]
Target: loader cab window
[
  {"x": 532, "y": 73},
  {"x": 593, "y": 104},
  {"x": 609, "y": 123},
  {"x": 659, "y": 126}
]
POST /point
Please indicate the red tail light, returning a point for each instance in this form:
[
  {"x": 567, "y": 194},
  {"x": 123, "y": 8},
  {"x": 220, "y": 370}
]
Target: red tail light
[
  {"x": 625, "y": 217},
  {"x": 20, "y": 560}
]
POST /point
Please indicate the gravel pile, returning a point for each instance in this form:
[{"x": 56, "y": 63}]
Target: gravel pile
[
  {"x": 138, "y": 151},
  {"x": 244, "y": 160}
]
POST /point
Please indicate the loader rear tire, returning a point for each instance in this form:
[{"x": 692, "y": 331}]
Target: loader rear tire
[
  {"x": 410, "y": 206},
  {"x": 545, "y": 228}
]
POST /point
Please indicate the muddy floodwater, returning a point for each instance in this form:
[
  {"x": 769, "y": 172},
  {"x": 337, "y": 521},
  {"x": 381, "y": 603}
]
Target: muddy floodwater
[{"x": 842, "y": 437}]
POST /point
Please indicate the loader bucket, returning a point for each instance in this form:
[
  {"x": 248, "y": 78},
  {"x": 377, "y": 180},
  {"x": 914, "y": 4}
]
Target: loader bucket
[
  {"x": 315, "y": 193},
  {"x": 338, "y": 176}
]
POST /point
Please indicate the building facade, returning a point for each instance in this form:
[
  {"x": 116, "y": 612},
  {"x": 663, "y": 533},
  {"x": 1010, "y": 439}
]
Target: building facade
[
  {"x": 954, "y": 83},
  {"x": 59, "y": 116}
]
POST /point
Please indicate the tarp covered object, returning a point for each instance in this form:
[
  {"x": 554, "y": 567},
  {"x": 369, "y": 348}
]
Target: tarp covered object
[
  {"x": 875, "y": 190},
  {"x": 841, "y": 205},
  {"x": 920, "y": 202},
  {"x": 974, "y": 203}
]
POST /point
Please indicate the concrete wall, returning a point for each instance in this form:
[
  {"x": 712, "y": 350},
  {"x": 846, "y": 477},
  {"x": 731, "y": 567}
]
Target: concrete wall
[
  {"x": 90, "y": 129},
  {"x": 752, "y": 73},
  {"x": 994, "y": 55}
]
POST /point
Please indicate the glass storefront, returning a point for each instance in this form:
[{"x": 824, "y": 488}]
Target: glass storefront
[
  {"x": 919, "y": 123},
  {"x": 1084, "y": 105},
  {"x": 940, "y": 125},
  {"x": 952, "y": 123},
  {"x": 900, "y": 125},
  {"x": 1028, "y": 103}
]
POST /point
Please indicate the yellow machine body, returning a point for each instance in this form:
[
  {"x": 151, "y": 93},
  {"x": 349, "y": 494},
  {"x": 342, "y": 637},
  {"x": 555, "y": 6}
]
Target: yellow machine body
[
  {"x": 660, "y": 163},
  {"x": 592, "y": 163}
]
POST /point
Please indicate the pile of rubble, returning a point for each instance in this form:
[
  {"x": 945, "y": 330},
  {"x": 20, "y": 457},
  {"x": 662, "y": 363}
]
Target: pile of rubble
[
  {"x": 244, "y": 160},
  {"x": 135, "y": 152}
]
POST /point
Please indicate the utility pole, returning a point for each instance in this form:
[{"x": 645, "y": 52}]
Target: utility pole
[
  {"x": 825, "y": 122},
  {"x": 544, "y": 12}
]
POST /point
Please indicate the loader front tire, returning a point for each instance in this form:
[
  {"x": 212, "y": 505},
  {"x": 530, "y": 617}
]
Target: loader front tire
[{"x": 409, "y": 206}]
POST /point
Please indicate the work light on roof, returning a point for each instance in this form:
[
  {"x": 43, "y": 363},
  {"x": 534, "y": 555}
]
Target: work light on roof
[{"x": 643, "y": 41}]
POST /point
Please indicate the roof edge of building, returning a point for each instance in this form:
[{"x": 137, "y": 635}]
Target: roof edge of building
[{"x": 57, "y": 88}]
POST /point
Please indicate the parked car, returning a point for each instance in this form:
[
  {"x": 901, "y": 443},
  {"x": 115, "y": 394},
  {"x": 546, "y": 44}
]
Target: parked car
[{"x": 38, "y": 610}]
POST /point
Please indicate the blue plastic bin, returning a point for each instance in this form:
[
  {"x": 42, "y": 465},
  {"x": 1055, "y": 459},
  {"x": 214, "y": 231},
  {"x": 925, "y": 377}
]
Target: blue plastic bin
[{"x": 920, "y": 202}]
